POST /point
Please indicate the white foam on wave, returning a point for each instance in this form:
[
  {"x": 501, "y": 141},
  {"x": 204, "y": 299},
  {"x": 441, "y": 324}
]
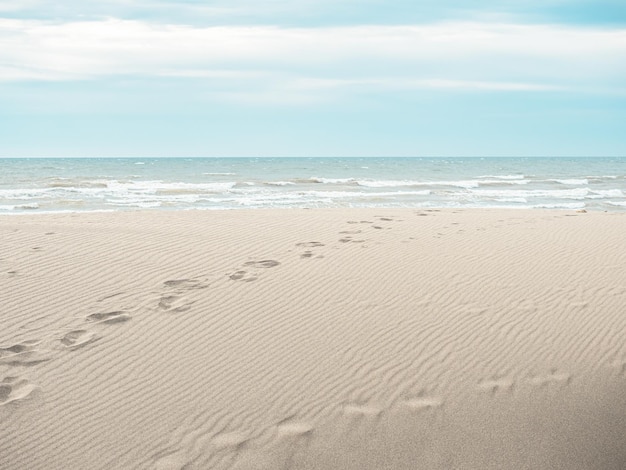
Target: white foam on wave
[
  {"x": 387, "y": 183},
  {"x": 602, "y": 193},
  {"x": 24, "y": 193},
  {"x": 466, "y": 184},
  {"x": 495, "y": 182},
  {"x": 280, "y": 183},
  {"x": 161, "y": 187},
  {"x": 267, "y": 198},
  {"x": 471, "y": 184},
  {"x": 571, "y": 181},
  {"x": 315, "y": 179},
  {"x": 363, "y": 195}
]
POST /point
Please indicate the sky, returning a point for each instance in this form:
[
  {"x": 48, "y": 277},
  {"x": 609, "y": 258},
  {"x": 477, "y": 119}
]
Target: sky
[{"x": 312, "y": 78}]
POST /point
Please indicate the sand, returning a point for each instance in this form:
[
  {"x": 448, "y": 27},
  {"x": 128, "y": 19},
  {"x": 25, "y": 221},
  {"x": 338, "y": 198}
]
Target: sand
[{"x": 313, "y": 339}]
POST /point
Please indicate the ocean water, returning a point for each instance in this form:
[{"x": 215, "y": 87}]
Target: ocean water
[{"x": 40, "y": 185}]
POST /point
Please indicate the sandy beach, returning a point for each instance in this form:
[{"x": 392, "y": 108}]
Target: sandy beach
[{"x": 313, "y": 339}]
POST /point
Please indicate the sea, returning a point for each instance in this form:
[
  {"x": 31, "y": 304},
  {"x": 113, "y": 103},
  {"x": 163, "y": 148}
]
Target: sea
[{"x": 44, "y": 185}]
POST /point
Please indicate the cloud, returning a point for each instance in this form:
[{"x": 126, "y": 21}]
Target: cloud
[
  {"x": 407, "y": 84},
  {"x": 241, "y": 60}
]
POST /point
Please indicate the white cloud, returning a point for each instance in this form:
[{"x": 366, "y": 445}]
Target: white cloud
[
  {"x": 452, "y": 55},
  {"x": 404, "y": 84}
]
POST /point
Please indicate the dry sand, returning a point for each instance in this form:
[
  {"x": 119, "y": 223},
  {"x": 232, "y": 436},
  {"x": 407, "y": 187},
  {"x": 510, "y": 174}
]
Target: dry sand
[{"x": 313, "y": 339}]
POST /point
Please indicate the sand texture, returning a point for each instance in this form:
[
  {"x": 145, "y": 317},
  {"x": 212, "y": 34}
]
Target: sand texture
[{"x": 313, "y": 339}]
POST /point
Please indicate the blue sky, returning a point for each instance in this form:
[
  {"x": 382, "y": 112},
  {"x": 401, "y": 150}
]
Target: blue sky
[{"x": 312, "y": 77}]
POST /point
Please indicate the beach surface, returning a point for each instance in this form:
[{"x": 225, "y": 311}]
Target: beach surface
[{"x": 313, "y": 339}]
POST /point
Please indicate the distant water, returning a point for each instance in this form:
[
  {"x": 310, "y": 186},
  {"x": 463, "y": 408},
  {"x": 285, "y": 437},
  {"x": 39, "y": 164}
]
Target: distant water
[{"x": 97, "y": 184}]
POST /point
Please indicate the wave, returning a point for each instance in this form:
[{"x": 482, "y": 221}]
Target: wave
[
  {"x": 504, "y": 177},
  {"x": 604, "y": 193},
  {"x": 279, "y": 183},
  {"x": 280, "y": 189},
  {"x": 372, "y": 183},
  {"x": 28, "y": 207},
  {"x": 571, "y": 182},
  {"x": 315, "y": 179}
]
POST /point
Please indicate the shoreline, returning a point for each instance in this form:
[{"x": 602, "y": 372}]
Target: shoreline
[
  {"x": 35, "y": 213},
  {"x": 313, "y": 338}
]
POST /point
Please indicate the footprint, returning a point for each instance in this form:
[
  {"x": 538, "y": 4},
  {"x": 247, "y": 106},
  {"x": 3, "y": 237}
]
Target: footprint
[
  {"x": 14, "y": 389},
  {"x": 386, "y": 219},
  {"x": 496, "y": 384},
  {"x": 350, "y": 232},
  {"x": 186, "y": 284},
  {"x": 78, "y": 338},
  {"x": 266, "y": 263},
  {"x": 23, "y": 354},
  {"x": 109, "y": 317},
  {"x": 19, "y": 348},
  {"x": 310, "y": 244},
  {"x": 377, "y": 227},
  {"x": 350, "y": 240},
  {"x": 242, "y": 276},
  {"x": 306, "y": 254},
  {"x": 174, "y": 303},
  {"x": 166, "y": 302}
]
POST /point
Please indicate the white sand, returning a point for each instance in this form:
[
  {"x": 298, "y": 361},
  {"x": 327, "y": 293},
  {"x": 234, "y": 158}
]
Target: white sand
[{"x": 313, "y": 339}]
